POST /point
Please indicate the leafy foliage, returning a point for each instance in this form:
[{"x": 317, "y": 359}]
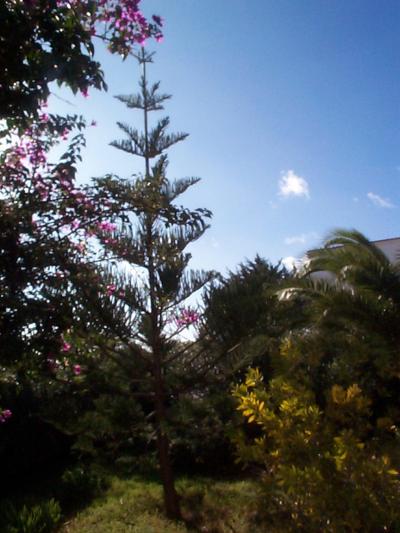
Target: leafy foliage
[
  {"x": 48, "y": 226},
  {"x": 325, "y": 427},
  {"x": 322, "y": 468},
  {"x": 52, "y": 40},
  {"x": 36, "y": 252}
]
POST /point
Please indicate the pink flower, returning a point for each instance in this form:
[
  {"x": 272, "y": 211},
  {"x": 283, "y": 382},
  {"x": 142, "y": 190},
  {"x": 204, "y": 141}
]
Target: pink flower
[
  {"x": 5, "y": 415},
  {"x": 186, "y": 318},
  {"x": 93, "y": 123},
  {"x": 106, "y": 226},
  {"x": 76, "y": 369},
  {"x": 110, "y": 289},
  {"x": 65, "y": 347},
  {"x": 81, "y": 247},
  {"x": 85, "y": 93}
]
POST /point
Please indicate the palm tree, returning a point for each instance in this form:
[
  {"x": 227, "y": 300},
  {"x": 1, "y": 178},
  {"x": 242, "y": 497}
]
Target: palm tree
[{"x": 352, "y": 316}]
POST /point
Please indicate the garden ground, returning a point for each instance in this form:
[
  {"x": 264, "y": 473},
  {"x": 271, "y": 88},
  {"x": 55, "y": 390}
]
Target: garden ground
[{"x": 135, "y": 505}]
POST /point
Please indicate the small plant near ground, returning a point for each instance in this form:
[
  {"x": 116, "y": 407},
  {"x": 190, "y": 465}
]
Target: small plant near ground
[
  {"x": 79, "y": 485},
  {"x": 40, "y": 518}
]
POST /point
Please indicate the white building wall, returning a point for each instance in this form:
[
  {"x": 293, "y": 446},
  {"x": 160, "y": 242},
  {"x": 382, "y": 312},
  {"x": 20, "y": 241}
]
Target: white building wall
[{"x": 390, "y": 247}]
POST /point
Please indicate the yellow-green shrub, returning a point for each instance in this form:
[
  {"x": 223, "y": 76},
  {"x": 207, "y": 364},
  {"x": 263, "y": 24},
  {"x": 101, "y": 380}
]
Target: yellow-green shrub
[{"x": 328, "y": 467}]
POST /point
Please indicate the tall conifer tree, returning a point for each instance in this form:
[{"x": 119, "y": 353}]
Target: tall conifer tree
[{"x": 143, "y": 304}]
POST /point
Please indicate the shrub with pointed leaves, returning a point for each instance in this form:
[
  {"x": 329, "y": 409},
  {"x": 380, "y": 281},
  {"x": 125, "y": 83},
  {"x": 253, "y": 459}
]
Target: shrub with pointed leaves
[{"x": 323, "y": 469}]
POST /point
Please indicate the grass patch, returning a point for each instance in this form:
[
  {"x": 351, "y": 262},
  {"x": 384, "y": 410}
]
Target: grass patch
[{"x": 135, "y": 506}]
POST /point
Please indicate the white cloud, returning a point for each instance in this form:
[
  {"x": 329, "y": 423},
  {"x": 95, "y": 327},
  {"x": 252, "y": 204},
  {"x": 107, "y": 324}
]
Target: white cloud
[
  {"x": 296, "y": 239},
  {"x": 379, "y": 201},
  {"x": 301, "y": 239},
  {"x": 289, "y": 262},
  {"x": 290, "y": 184}
]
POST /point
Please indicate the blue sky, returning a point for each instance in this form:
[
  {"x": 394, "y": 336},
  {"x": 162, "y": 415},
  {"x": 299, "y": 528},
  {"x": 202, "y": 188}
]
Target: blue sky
[{"x": 293, "y": 114}]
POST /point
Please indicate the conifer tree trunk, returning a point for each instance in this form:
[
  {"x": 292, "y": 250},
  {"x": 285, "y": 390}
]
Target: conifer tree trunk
[{"x": 171, "y": 499}]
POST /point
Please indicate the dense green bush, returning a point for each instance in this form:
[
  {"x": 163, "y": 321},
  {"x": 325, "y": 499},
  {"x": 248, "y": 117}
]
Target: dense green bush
[
  {"x": 242, "y": 308},
  {"x": 79, "y": 485}
]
